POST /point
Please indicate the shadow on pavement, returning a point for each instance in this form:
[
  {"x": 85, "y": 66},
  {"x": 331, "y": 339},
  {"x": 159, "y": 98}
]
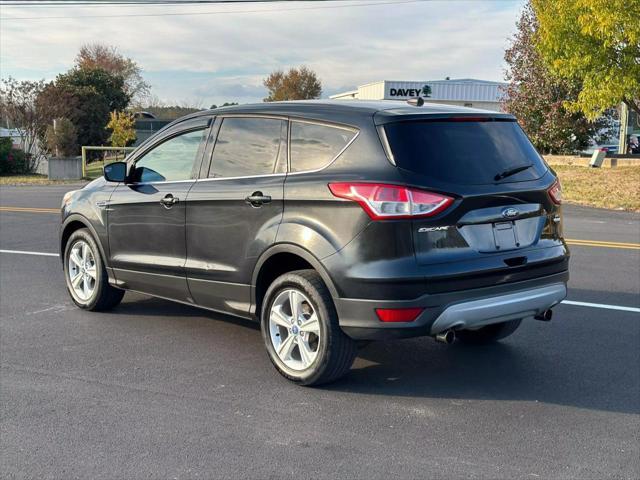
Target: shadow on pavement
[{"x": 574, "y": 360}]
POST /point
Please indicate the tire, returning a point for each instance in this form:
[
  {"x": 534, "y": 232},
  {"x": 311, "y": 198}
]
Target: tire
[
  {"x": 488, "y": 334},
  {"x": 102, "y": 296},
  {"x": 332, "y": 351}
]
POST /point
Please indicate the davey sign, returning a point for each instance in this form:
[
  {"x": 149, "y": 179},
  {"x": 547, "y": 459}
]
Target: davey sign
[{"x": 409, "y": 92}]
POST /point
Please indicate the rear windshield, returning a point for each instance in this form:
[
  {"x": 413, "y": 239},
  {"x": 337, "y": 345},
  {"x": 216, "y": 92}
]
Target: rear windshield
[{"x": 464, "y": 152}]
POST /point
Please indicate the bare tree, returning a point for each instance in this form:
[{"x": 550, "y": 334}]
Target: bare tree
[
  {"x": 106, "y": 57},
  {"x": 20, "y": 110},
  {"x": 300, "y": 83}
]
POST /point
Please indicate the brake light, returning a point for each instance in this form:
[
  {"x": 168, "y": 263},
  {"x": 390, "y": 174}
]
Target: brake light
[
  {"x": 382, "y": 201},
  {"x": 398, "y": 314},
  {"x": 555, "y": 192}
]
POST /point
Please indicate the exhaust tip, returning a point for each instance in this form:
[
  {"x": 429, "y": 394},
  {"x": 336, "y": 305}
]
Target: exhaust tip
[
  {"x": 544, "y": 316},
  {"x": 448, "y": 337}
]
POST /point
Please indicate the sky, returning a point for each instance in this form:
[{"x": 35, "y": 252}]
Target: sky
[{"x": 223, "y": 53}]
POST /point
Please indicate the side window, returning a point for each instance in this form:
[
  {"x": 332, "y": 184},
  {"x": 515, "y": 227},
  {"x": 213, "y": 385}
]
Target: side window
[
  {"x": 171, "y": 160},
  {"x": 314, "y": 146},
  {"x": 246, "y": 146}
]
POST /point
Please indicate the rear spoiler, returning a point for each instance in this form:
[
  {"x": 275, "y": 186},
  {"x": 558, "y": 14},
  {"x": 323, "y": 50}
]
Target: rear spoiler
[{"x": 415, "y": 114}]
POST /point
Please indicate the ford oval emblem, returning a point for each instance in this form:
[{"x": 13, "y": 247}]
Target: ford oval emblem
[{"x": 510, "y": 212}]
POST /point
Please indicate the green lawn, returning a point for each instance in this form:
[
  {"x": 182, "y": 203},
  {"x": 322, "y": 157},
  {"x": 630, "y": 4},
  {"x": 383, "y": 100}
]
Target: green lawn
[{"x": 31, "y": 179}]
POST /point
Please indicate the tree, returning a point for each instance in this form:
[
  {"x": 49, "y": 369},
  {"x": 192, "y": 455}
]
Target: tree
[
  {"x": 62, "y": 138},
  {"x": 123, "y": 130},
  {"x": 20, "y": 109},
  {"x": 297, "y": 84},
  {"x": 225, "y": 104},
  {"x": 537, "y": 98},
  {"x": 108, "y": 58},
  {"x": 86, "y": 97},
  {"x": 597, "y": 43}
]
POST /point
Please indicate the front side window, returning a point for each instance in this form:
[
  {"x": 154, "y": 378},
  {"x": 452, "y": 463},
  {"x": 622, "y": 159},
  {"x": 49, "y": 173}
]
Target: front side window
[
  {"x": 246, "y": 147},
  {"x": 314, "y": 146},
  {"x": 172, "y": 160}
]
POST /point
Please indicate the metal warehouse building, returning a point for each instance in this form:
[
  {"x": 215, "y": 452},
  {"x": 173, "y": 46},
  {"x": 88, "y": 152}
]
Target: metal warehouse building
[{"x": 466, "y": 92}]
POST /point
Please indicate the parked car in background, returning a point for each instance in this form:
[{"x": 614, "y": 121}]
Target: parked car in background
[{"x": 330, "y": 223}]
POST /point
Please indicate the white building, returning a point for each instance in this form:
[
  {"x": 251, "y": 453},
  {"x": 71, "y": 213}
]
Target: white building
[{"x": 466, "y": 92}]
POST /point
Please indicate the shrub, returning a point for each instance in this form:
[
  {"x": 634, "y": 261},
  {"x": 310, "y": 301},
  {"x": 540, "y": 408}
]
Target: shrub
[{"x": 12, "y": 161}]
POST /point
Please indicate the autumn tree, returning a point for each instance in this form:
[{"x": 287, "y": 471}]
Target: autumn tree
[
  {"x": 97, "y": 55},
  {"x": 299, "y": 83},
  {"x": 537, "y": 98},
  {"x": 123, "y": 129},
  {"x": 595, "y": 43}
]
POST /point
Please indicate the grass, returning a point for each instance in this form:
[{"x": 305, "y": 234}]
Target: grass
[
  {"x": 93, "y": 170},
  {"x": 613, "y": 188},
  {"x": 32, "y": 179}
]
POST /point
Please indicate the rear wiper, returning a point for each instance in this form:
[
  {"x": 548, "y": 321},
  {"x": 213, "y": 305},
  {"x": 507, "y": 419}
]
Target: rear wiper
[{"x": 513, "y": 171}]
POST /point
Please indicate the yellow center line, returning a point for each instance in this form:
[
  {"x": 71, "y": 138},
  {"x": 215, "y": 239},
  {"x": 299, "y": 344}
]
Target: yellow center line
[
  {"x": 602, "y": 244},
  {"x": 30, "y": 209}
]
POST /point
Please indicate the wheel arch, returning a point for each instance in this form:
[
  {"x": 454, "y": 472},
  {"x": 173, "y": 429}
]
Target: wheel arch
[
  {"x": 76, "y": 222},
  {"x": 278, "y": 260}
]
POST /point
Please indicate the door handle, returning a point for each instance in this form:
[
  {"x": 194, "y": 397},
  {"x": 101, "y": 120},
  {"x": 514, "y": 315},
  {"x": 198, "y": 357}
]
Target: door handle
[
  {"x": 168, "y": 200},
  {"x": 257, "y": 199}
]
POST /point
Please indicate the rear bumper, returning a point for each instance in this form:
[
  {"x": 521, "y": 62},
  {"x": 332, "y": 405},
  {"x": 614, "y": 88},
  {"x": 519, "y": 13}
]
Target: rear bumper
[{"x": 455, "y": 310}]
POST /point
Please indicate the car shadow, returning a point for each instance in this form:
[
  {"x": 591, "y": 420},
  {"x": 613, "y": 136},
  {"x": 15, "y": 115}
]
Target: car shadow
[
  {"x": 584, "y": 358},
  {"x": 572, "y": 361}
]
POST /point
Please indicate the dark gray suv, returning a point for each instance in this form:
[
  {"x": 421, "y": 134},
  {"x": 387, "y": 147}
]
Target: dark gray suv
[{"x": 331, "y": 223}]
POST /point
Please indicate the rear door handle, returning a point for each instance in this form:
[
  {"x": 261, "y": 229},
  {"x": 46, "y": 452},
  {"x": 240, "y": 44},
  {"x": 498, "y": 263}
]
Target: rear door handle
[
  {"x": 168, "y": 200},
  {"x": 257, "y": 198}
]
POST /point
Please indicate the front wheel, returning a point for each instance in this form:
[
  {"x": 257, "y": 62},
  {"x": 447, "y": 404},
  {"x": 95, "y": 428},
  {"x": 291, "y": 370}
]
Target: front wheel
[
  {"x": 488, "y": 334},
  {"x": 85, "y": 274},
  {"x": 301, "y": 332}
]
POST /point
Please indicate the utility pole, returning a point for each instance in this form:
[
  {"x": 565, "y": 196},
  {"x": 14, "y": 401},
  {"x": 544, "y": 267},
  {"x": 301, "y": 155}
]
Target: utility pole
[
  {"x": 624, "y": 121},
  {"x": 55, "y": 131}
]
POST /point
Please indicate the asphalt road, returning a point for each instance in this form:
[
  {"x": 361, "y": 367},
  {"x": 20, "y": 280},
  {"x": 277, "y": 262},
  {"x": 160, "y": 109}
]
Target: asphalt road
[{"x": 160, "y": 390}]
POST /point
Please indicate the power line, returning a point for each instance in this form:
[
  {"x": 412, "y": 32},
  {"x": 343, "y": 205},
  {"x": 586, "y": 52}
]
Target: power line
[{"x": 223, "y": 12}]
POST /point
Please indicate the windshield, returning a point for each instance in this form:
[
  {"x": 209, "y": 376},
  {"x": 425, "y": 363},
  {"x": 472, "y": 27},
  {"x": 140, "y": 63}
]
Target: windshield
[{"x": 463, "y": 151}]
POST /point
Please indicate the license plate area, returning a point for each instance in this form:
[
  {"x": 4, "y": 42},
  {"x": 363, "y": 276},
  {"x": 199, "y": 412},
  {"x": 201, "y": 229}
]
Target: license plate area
[{"x": 505, "y": 236}]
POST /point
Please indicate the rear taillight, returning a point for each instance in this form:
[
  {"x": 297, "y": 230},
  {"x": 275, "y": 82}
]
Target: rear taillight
[
  {"x": 398, "y": 314},
  {"x": 382, "y": 201},
  {"x": 555, "y": 192}
]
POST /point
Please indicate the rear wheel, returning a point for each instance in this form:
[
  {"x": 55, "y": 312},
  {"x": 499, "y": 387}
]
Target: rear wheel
[
  {"x": 85, "y": 275},
  {"x": 488, "y": 334},
  {"x": 301, "y": 332}
]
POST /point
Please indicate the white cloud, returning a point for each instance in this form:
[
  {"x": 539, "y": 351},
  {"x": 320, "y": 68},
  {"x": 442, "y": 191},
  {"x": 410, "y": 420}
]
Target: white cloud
[{"x": 229, "y": 54}]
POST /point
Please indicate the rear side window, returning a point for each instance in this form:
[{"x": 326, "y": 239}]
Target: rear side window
[
  {"x": 246, "y": 146},
  {"x": 314, "y": 146},
  {"x": 464, "y": 152}
]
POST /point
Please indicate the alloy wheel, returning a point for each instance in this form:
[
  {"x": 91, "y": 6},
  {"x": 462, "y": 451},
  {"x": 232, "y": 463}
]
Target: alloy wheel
[
  {"x": 81, "y": 268},
  {"x": 294, "y": 329}
]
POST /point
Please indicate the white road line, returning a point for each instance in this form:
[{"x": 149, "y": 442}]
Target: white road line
[
  {"x": 23, "y": 252},
  {"x": 566, "y": 302},
  {"x": 602, "y": 305}
]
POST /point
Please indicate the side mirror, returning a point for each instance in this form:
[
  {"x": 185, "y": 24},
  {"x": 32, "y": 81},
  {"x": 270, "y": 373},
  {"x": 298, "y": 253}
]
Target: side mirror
[{"x": 115, "y": 172}]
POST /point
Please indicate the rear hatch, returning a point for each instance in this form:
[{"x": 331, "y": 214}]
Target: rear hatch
[{"x": 503, "y": 219}]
